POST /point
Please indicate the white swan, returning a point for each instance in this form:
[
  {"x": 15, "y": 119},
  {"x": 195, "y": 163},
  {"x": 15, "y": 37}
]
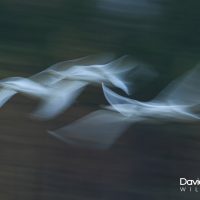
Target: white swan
[{"x": 58, "y": 86}]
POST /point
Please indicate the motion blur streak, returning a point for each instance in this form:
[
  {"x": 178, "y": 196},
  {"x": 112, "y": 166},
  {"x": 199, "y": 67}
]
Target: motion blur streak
[
  {"x": 58, "y": 86},
  {"x": 180, "y": 101}
]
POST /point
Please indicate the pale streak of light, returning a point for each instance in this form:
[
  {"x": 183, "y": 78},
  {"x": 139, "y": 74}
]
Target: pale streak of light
[{"x": 58, "y": 86}]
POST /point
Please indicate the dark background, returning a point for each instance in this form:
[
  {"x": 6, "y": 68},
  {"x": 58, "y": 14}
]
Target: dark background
[{"x": 148, "y": 160}]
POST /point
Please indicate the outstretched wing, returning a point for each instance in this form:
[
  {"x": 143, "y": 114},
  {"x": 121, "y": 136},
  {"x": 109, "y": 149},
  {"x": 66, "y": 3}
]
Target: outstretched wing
[
  {"x": 99, "y": 129},
  {"x": 183, "y": 91},
  {"x": 10, "y": 86},
  {"x": 53, "y": 74},
  {"x": 60, "y": 97},
  {"x": 123, "y": 105},
  {"x": 123, "y": 72},
  {"x": 5, "y": 95}
]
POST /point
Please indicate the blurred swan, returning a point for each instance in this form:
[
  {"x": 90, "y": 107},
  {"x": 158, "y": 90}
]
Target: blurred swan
[
  {"x": 49, "y": 76},
  {"x": 58, "y": 86},
  {"x": 180, "y": 101}
]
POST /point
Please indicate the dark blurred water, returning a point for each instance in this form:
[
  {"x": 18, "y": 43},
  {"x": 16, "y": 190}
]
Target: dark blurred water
[
  {"x": 162, "y": 33},
  {"x": 36, "y": 34},
  {"x": 147, "y": 161}
]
